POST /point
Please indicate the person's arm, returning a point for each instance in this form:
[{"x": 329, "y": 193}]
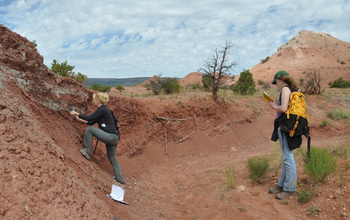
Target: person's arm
[
  {"x": 81, "y": 120},
  {"x": 285, "y": 100},
  {"x": 93, "y": 117},
  {"x": 76, "y": 116}
]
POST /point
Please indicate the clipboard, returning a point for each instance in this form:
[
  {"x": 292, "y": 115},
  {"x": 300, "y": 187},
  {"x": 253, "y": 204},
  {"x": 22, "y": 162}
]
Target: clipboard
[
  {"x": 267, "y": 97},
  {"x": 117, "y": 194}
]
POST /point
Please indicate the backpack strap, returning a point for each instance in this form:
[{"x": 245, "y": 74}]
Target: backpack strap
[
  {"x": 291, "y": 133},
  {"x": 280, "y": 97},
  {"x": 308, "y": 141},
  {"x": 291, "y": 90}
]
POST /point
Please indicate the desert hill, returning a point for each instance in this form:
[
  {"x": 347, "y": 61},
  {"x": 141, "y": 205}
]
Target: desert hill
[
  {"x": 148, "y": 81},
  {"x": 308, "y": 50},
  {"x": 191, "y": 78},
  {"x": 172, "y": 152}
]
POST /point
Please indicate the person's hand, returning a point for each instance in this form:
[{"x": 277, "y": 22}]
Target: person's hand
[
  {"x": 273, "y": 105},
  {"x": 74, "y": 113}
]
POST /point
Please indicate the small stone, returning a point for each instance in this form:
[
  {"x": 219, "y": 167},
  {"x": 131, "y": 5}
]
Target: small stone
[{"x": 241, "y": 188}]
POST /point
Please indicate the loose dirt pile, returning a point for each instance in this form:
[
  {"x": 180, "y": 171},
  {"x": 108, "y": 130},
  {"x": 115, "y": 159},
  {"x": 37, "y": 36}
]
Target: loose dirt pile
[{"x": 172, "y": 152}]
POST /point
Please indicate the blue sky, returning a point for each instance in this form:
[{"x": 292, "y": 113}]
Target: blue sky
[{"x": 123, "y": 38}]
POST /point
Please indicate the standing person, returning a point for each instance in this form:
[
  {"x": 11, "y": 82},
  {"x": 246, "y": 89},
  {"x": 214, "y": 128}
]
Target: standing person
[
  {"x": 106, "y": 132},
  {"x": 287, "y": 183}
]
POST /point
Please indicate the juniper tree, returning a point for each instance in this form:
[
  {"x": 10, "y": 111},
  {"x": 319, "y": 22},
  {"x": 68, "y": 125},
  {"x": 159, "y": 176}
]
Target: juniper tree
[{"x": 218, "y": 66}]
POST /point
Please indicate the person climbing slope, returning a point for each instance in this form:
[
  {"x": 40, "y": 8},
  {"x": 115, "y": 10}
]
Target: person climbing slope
[{"x": 107, "y": 132}]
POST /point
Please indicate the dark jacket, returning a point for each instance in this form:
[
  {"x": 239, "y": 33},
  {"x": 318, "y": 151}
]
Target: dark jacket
[
  {"x": 293, "y": 142},
  {"x": 103, "y": 118}
]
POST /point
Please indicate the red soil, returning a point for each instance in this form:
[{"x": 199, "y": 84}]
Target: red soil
[{"x": 173, "y": 168}]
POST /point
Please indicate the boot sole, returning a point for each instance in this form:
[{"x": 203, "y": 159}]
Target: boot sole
[{"x": 84, "y": 153}]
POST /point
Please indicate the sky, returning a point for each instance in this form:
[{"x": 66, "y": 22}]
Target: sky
[{"x": 171, "y": 38}]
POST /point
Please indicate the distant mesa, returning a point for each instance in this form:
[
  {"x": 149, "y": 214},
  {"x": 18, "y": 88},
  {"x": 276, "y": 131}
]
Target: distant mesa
[{"x": 127, "y": 82}]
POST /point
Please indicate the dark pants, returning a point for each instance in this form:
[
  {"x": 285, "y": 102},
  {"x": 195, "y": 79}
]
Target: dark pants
[{"x": 111, "y": 141}]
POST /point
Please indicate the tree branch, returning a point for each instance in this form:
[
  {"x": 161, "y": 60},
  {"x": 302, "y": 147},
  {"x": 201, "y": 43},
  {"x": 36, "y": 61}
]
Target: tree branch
[{"x": 165, "y": 130}]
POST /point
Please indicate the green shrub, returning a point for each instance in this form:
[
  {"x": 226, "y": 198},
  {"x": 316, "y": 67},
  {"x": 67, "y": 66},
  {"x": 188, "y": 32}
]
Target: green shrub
[
  {"x": 319, "y": 164},
  {"x": 105, "y": 88},
  {"x": 62, "y": 69},
  {"x": 155, "y": 86},
  {"x": 66, "y": 70},
  {"x": 261, "y": 82},
  {"x": 338, "y": 113},
  {"x": 95, "y": 87},
  {"x": 245, "y": 84},
  {"x": 313, "y": 210},
  {"x": 339, "y": 83},
  {"x": 240, "y": 208},
  {"x": 80, "y": 78},
  {"x": 196, "y": 86},
  {"x": 119, "y": 87},
  {"x": 304, "y": 195},
  {"x": 324, "y": 123},
  {"x": 265, "y": 60},
  {"x": 258, "y": 167},
  {"x": 165, "y": 85},
  {"x": 100, "y": 88},
  {"x": 229, "y": 175},
  {"x": 170, "y": 86},
  {"x": 207, "y": 83}
]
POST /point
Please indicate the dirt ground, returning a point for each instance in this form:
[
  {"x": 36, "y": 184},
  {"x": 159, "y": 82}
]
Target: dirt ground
[
  {"x": 188, "y": 182},
  {"x": 173, "y": 151}
]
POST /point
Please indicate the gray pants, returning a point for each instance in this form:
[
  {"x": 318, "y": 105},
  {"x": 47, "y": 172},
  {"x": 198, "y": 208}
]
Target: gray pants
[{"x": 111, "y": 141}]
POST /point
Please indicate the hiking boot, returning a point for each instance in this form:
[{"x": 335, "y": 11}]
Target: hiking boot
[
  {"x": 276, "y": 189},
  {"x": 284, "y": 194},
  {"x": 115, "y": 179},
  {"x": 83, "y": 152},
  {"x": 121, "y": 185}
]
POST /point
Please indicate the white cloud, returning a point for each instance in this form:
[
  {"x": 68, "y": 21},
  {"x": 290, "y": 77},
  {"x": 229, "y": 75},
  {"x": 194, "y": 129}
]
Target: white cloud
[{"x": 172, "y": 37}]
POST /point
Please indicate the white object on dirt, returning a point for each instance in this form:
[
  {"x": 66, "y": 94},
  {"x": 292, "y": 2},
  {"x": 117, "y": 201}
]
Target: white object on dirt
[{"x": 117, "y": 194}]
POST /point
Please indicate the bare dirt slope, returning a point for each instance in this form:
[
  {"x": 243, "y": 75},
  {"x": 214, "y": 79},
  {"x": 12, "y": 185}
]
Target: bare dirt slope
[
  {"x": 172, "y": 152},
  {"x": 308, "y": 50}
]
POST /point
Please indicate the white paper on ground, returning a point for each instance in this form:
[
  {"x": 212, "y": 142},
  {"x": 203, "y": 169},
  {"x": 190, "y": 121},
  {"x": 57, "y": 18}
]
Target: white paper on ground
[{"x": 117, "y": 194}]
